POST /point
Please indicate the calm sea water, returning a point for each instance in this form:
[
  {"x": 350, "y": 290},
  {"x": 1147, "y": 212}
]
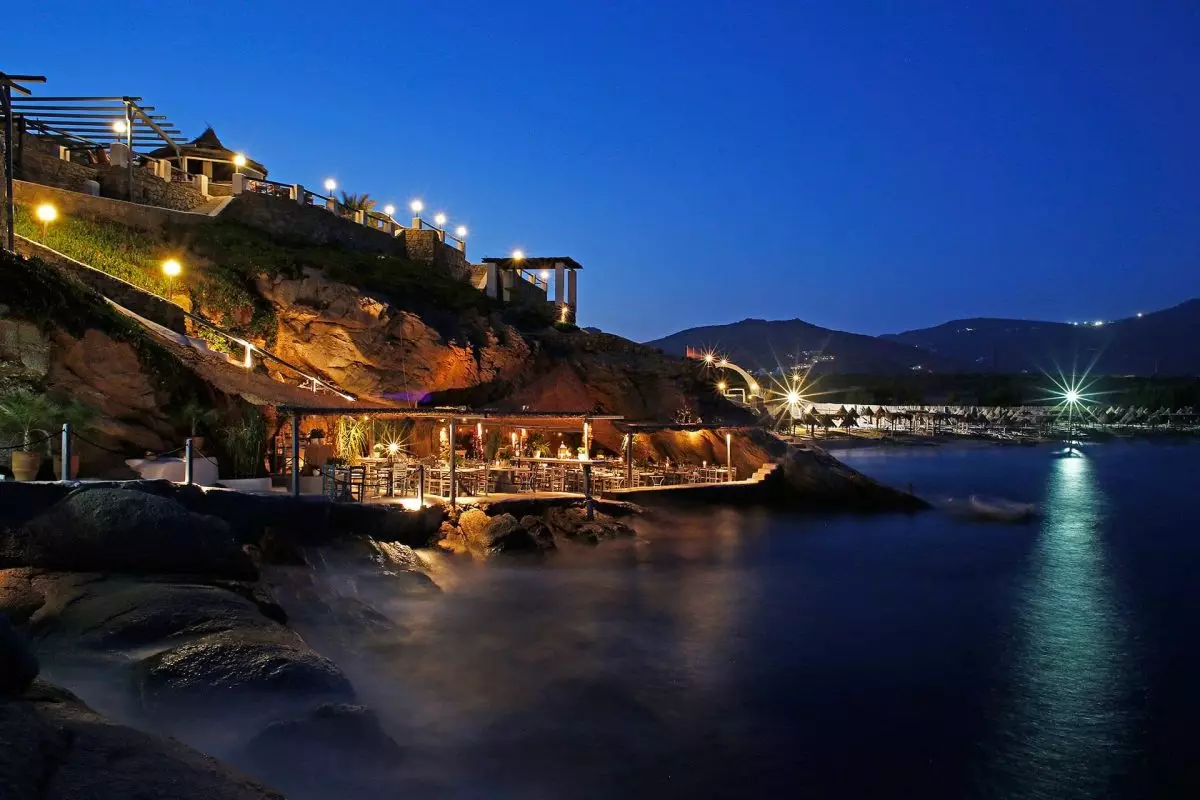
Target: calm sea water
[{"x": 740, "y": 653}]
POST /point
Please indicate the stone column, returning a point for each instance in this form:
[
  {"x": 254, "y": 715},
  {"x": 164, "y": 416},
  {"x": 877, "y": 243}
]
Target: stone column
[
  {"x": 560, "y": 283},
  {"x": 239, "y": 183},
  {"x": 571, "y": 296},
  {"x": 493, "y": 282}
]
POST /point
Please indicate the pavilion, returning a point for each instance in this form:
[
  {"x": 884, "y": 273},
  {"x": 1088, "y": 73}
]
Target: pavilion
[
  {"x": 506, "y": 278},
  {"x": 206, "y": 155}
]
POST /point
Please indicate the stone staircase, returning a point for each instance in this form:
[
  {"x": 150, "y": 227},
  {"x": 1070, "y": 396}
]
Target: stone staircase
[{"x": 763, "y": 472}]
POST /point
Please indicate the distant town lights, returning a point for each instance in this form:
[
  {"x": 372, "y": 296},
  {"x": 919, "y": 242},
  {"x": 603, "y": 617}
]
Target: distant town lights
[
  {"x": 1098, "y": 323},
  {"x": 417, "y": 206},
  {"x": 1139, "y": 315}
]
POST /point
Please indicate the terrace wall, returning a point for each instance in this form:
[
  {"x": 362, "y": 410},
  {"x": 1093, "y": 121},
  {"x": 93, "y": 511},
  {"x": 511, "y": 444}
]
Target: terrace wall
[
  {"x": 104, "y": 209},
  {"x": 291, "y": 221},
  {"x": 40, "y": 163}
]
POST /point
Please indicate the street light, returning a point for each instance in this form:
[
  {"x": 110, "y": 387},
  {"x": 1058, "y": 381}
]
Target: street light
[
  {"x": 439, "y": 219},
  {"x": 518, "y": 255},
  {"x": 171, "y": 269},
  {"x": 416, "y": 206},
  {"x": 461, "y": 231},
  {"x": 46, "y": 214}
]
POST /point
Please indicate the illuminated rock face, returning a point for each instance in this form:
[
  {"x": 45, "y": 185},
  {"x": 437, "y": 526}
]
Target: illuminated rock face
[{"x": 372, "y": 348}]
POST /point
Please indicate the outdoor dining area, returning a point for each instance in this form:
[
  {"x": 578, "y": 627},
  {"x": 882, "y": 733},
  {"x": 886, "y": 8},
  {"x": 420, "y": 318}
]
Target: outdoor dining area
[{"x": 416, "y": 456}]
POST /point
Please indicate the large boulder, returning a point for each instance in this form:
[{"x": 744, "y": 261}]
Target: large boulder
[
  {"x": 118, "y": 530},
  {"x": 270, "y": 668},
  {"x": 53, "y": 747},
  {"x": 18, "y": 666},
  {"x": 302, "y": 750},
  {"x": 81, "y": 610},
  {"x": 502, "y": 533}
]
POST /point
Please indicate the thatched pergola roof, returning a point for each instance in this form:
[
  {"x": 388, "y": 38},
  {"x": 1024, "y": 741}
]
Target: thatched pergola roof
[{"x": 207, "y": 145}]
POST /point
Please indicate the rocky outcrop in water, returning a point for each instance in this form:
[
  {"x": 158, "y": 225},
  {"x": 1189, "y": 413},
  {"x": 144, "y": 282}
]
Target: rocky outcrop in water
[{"x": 495, "y": 530}]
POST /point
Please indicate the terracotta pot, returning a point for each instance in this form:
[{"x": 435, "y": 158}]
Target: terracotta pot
[
  {"x": 25, "y": 464},
  {"x": 74, "y": 466}
]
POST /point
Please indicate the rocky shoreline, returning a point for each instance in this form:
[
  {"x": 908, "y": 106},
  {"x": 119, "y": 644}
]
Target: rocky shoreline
[{"x": 160, "y": 589}]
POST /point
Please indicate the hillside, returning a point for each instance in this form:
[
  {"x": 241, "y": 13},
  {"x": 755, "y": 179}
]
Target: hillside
[
  {"x": 762, "y": 344},
  {"x": 1163, "y": 342},
  {"x": 386, "y": 328}
]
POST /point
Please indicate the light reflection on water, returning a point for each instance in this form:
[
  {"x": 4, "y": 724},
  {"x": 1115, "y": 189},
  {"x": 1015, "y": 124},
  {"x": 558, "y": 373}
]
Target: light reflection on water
[{"x": 1065, "y": 723}]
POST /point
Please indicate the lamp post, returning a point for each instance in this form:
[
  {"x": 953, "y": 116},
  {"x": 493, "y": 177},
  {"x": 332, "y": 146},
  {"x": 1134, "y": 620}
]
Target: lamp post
[
  {"x": 171, "y": 268},
  {"x": 416, "y": 206},
  {"x": 239, "y": 161},
  {"x": 46, "y": 214}
]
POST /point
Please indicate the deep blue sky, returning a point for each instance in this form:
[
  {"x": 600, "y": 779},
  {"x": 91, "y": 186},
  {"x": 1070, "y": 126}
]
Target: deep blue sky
[{"x": 868, "y": 166}]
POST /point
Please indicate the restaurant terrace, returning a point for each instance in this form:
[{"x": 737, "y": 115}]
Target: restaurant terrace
[{"x": 458, "y": 455}]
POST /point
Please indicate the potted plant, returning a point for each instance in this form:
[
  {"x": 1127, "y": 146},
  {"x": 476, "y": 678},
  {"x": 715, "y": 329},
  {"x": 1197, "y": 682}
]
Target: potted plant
[
  {"x": 195, "y": 415},
  {"x": 21, "y": 413},
  {"x": 245, "y": 440},
  {"x": 316, "y": 436}
]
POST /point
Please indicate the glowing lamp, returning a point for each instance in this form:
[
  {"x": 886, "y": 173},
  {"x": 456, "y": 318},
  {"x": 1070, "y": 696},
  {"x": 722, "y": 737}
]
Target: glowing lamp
[
  {"x": 393, "y": 448},
  {"x": 1071, "y": 396},
  {"x": 721, "y": 386},
  {"x": 416, "y": 206},
  {"x": 793, "y": 397},
  {"x": 461, "y": 231},
  {"x": 708, "y": 358},
  {"x": 239, "y": 160},
  {"x": 120, "y": 127},
  {"x": 389, "y": 209},
  {"x": 171, "y": 268},
  {"x": 330, "y": 184},
  {"x": 439, "y": 219},
  {"x": 545, "y": 274},
  {"x": 46, "y": 213},
  {"x": 518, "y": 255}
]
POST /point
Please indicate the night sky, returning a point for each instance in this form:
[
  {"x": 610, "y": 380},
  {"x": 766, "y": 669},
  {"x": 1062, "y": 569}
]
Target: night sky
[{"x": 865, "y": 166}]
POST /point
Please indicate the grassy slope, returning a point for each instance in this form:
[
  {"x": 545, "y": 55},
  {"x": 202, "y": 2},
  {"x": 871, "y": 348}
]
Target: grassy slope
[{"x": 222, "y": 260}]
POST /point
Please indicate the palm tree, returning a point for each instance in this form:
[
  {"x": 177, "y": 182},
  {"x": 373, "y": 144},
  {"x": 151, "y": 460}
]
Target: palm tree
[{"x": 357, "y": 202}]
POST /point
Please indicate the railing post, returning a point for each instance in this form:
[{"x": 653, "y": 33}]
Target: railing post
[
  {"x": 189, "y": 452},
  {"x": 421, "y": 485},
  {"x": 298, "y": 193},
  {"x": 629, "y": 461},
  {"x": 453, "y": 469},
  {"x": 728, "y": 457},
  {"x": 239, "y": 183},
  {"x": 587, "y": 491},
  {"x": 295, "y": 454},
  {"x": 65, "y": 472}
]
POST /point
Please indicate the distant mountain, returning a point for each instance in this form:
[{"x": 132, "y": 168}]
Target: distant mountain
[
  {"x": 1163, "y": 342},
  {"x": 761, "y": 344}
]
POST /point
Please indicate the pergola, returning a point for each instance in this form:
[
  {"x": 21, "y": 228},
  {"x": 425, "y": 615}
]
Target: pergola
[
  {"x": 504, "y": 272},
  {"x": 86, "y": 123},
  {"x": 581, "y": 421},
  {"x": 8, "y": 85}
]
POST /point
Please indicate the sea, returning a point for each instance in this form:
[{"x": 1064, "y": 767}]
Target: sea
[{"x": 744, "y": 653}]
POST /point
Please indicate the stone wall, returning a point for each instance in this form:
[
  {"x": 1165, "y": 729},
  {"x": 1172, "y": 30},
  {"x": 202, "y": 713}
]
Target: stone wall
[
  {"x": 142, "y": 217},
  {"x": 149, "y": 189},
  {"x": 40, "y": 163},
  {"x": 292, "y": 221}
]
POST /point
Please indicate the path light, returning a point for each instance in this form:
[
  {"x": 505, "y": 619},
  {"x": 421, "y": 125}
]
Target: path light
[
  {"x": 171, "y": 268},
  {"x": 461, "y": 232},
  {"x": 46, "y": 214},
  {"x": 330, "y": 184},
  {"x": 389, "y": 209},
  {"x": 417, "y": 206},
  {"x": 439, "y": 219}
]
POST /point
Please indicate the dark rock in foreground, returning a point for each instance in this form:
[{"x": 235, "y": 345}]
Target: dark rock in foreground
[
  {"x": 53, "y": 747},
  {"x": 18, "y": 665},
  {"x": 119, "y": 530}
]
